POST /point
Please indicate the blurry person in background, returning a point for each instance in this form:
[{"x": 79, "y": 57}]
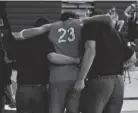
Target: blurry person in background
[
  {"x": 5, "y": 69},
  {"x": 131, "y": 14},
  {"x": 93, "y": 9},
  {"x": 114, "y": 15}
]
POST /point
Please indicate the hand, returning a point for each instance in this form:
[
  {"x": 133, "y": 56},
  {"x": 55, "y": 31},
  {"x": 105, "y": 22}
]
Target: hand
[
  {"x": 79, "y": 85},
  {"x": 77, "y": 60},
  {"x": 6, "y": 59}
]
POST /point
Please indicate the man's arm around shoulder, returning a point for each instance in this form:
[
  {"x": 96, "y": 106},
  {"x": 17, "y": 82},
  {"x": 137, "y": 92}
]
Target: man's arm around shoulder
[
  {"x": 32, "y": 32},
  {"x": 100, "y": 18}
]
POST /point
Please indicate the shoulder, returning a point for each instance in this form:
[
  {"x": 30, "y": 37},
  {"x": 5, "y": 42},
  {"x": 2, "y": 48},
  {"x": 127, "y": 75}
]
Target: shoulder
[
  {"x": 93, "y": 24},
  {"x": 56, "y": 24},
  {"x": 133, "y": 5},
  {"x": 75, "y": 21}
]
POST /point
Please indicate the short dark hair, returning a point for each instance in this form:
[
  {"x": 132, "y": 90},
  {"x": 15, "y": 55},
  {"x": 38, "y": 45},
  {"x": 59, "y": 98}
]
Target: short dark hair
[
  {"x": 66, "y": 15},
  {"x": 41, "y": 21}
]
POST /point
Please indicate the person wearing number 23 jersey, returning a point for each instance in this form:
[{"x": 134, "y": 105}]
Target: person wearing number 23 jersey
[{"x": 65, "y": 36}]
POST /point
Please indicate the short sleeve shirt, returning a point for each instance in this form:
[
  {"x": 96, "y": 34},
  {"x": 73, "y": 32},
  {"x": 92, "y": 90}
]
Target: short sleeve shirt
[{"x": 109, "y": 48}]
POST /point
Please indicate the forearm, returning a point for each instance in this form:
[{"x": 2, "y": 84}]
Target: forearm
[
  {"x": 97, "y": 18},
  {"x": 30, "y": 33},
  {"x": 121, "y": 25},
  {"x": 126, "y": 12},
  {"x": 61, "y": 59},
  {"x": 9, "y": 91},
  {"x": 86, "y": 63},
  {"x": 117, "y": 18}
]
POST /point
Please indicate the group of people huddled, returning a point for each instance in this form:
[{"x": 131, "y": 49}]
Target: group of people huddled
[{"x": 73, "y": 65}]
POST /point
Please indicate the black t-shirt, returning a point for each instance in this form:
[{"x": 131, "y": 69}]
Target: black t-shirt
[
  {"x": 31, "y": 59},
  {"x": 109, "y": 57}
]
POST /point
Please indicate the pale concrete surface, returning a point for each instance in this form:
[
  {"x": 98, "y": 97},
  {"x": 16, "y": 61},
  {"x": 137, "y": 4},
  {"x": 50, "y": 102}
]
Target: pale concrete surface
[
  {"x": 131, "y": 90},
  {"x": 129, "y": 112}
]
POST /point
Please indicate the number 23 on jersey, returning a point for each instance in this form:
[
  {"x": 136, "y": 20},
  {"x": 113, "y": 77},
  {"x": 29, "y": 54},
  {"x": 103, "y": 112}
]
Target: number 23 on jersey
[{"x": 70, "y": 32}]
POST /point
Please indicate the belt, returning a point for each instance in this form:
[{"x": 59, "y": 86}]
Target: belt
[
  {"x": 104, "y": 77},
  {"x": 37, "y": 85}
]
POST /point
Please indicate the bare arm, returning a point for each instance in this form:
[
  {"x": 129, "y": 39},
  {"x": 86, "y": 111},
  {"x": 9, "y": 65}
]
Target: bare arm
[
  {"x": 104, "y": 18},
  {"x": 88, "y": 58},
  {"x": 62, "y": 59},
  {"x": 117, "y": 17},
  {"x": 126, "y": 12},
  {"x": 28, "y": 33}
]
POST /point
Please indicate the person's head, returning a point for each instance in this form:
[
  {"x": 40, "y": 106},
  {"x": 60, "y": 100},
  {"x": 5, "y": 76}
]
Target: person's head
[
  {"x": 68, "y": 15},
  {"x": 92, "y": 7},
  {"x": 113, "y": 9},
  {"x": 41, "y": 21}
]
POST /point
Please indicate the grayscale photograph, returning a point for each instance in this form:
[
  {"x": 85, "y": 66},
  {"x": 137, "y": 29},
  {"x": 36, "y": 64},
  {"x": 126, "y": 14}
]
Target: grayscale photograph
[{"x": 69, "y": 56}]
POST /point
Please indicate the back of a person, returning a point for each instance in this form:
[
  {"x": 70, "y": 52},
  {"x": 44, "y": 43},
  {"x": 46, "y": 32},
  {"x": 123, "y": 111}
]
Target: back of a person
[
  {"x": 31, "y": 61},
  {"x": 33, "y": 73},
  {"x": 105, "y": 85},
  {"x": 65, "y": 35},
  {"x": 109, "y": 54}
]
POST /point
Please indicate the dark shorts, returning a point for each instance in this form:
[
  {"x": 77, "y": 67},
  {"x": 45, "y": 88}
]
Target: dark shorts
[
  {"x": 103, "y": 95},
  {"x": 31, "y": 99},
  {"x": 62, "y": 95}
]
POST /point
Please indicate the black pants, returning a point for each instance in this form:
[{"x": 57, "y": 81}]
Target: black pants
[
  {"x": 132, "y": 31},
  {"x": 2, "y": 104},
  {"x": 31, "y": 99},
  {"x": 103, "y": 95}
]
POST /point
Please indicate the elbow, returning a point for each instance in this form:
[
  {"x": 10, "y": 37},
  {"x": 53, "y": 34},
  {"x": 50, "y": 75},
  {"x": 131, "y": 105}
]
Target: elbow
[
  {"x": 90, "y": 47},
  {"x": 125, "y": 13},
  {"x": 51, "y": 57}
]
